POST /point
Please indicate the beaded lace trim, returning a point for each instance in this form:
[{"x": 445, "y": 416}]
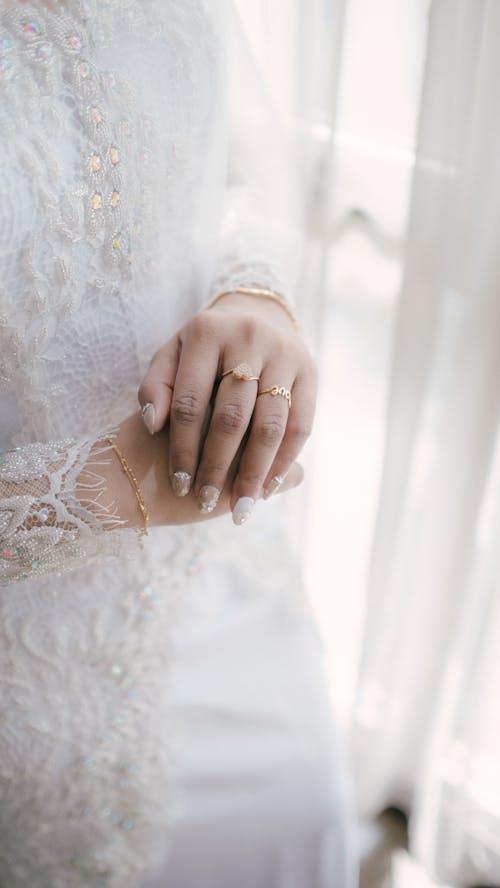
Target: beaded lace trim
[
  {"x": 87, "y": 779},
  {"x": 44, "y": 528}
]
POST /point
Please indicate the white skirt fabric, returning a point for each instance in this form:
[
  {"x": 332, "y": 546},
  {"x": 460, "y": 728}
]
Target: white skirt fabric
[{"x": 262, "y": 788}]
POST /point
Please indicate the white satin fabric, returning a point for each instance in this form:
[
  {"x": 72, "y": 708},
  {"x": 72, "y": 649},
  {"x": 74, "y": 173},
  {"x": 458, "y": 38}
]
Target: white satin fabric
[{"x": 164, "y": 714}]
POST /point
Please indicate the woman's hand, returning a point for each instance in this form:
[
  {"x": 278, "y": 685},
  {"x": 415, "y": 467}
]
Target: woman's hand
[
  {"x": 190, "y": 375},
  {"x": 145, "y": 454}
]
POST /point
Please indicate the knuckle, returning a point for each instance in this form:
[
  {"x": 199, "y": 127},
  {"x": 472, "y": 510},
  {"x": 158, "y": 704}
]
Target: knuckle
[
  {"x": 281, "y": 349},
  {"x": 157, "y": 362},
  {"x": 182, "y": 458},
  {"x": 248, "y": 330},
  {"x": 311, "y": 368},
  {"x": 202, "y": 326},
  {"x": 211, "y": 472},
  {"x": 210, "y": 469},
  {"x": 300, "y": 430},
  {"x": 270, "y": 430},
  {"x": 252, "y": 480},
  {"x": 230, "y": 419},
  {"x": 187, "y": 408}
]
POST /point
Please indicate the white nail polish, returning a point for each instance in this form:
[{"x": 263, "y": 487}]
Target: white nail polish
[
  {"x": 208, "y": 497},
  {"x": 181, "y": 483},
  {"x": 274, "y": 485},
  {"x": 243, "y": 509},
  {"x": 148, "y": 415}
]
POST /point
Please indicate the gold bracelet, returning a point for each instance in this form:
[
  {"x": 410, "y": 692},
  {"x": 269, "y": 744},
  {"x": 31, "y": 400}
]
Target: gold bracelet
[
  {"x": 264, "y": 294},
  {"x": 135, "y": 485}
]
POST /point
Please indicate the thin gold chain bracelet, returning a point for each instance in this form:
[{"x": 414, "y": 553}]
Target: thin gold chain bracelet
[{"x": 135, "y": 485}]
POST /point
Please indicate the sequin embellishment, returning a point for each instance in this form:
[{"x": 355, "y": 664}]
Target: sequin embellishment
[
  {"x": 32, "y": 29},
  {"x": 84, "y": 69},
  {"x": 74, "y": 43},
  {"x": 43, "y": 51},
  {"x": 96, "y": 116}
]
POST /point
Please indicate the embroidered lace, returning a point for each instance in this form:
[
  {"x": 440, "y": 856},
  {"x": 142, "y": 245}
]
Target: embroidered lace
[{"x": 112, "y": 171}]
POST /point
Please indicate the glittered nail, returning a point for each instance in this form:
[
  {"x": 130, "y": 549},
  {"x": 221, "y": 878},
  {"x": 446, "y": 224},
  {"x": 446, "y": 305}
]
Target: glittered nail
[
  {"x": 181, "y": 483},
  {"x": 209, "y": 497},
  {"x": 274, "y": 485},
  {"x": 243, "y": 509},
  {"x": 148, "y": 415}
]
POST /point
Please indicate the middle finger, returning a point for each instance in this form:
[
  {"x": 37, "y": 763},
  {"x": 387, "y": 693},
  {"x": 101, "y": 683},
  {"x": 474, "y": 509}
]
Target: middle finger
[{"x": 231, "y": 416}]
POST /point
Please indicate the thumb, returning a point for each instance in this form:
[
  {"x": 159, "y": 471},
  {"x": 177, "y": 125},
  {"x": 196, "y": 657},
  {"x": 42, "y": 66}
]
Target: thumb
[{"x": 156, "y": 389}]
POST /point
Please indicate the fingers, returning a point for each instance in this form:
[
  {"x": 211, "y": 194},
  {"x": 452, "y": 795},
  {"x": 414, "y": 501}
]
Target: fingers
[
  {"x": 294, "y": 477},
  {"x": 244, "y": 430},
  {"x": 232, "y": 412},
  {"x": 156, "y": 389},
  {"x": 194, "y": 383},
  {"x": 269, "y": 422},
  {"x": 277, "y": 436},
  {"x": 298, "y": 430}
]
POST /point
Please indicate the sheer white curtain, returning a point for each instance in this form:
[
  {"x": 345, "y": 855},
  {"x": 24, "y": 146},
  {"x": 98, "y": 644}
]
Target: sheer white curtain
[
  {"x": 297, "y": 46},
  {"x": 427, "y": 721},
  {"x": 410, "y": 349}
]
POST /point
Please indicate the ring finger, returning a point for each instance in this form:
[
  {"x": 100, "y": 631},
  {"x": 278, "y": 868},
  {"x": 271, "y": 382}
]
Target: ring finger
[{"x": 267, "y": 430}]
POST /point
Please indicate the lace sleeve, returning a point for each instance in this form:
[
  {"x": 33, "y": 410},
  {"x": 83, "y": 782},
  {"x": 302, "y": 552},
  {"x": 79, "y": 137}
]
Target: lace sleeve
[
  {"x": 260, "y": 243},
  {"x": 44, "y": 526}
]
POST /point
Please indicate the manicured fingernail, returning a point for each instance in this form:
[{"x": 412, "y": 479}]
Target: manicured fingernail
[
  {"x": 209, "y": 497},
  {"x": 274, "y": 485},
  {"x": 181, "y": 483},
  {"x": 148, "y": 415},
  {"x": 243, "y": 509}
]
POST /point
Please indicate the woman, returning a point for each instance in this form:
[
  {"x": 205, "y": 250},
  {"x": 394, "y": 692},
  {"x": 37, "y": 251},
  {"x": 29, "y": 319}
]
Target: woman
[{"x": 123, "y": 272}]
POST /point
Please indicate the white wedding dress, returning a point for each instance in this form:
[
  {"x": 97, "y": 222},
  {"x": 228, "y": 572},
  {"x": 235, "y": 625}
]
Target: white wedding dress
[{"x": 163, "y": 713}]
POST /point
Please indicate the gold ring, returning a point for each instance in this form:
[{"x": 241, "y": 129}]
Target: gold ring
[
  {"x": 242, "y": 372},
  {"x": 278, "y": 390}
]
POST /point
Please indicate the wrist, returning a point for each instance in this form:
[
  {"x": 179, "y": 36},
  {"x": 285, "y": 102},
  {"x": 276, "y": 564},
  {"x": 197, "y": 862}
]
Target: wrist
[
  {"x": 128, "y": 472},
  {"x": 267, "y": 304},
  {"x": 147, "y": 457},
  {"x": 125, "y": 488}
]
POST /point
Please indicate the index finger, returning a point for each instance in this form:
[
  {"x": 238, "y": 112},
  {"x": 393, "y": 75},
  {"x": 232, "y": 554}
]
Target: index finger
[
  {"x": 193, "y": 387},
  {"x": 156, "y": 389}
]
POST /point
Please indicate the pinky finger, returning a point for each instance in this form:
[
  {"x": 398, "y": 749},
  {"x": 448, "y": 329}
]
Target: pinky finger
[{"x": 294, "y": 477}]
